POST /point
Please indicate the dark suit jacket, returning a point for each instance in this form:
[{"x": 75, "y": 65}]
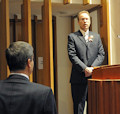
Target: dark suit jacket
[
  {"x": 19, "y": 96},
  {"x": 83, "y": 54}
]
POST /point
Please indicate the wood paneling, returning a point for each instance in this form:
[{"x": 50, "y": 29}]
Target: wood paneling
[
  {"x": 66, "y": 1},
  {"x": 105, "y": 83},
  {"x": 4, "y": 37},
  {"x": 72, "y": 24},
  {"x": 85, "y": 2},
  {"x": 48, "y": 44},
  {"x": 26, "y": 21},
  {"x": 103, "y": 96},
  {"x": 39, "y": 50},
  {"x": 104, "y": 28},
  {"x": 26, "y": 24},
  {"x": 55, "y": 59},
  {"x": 17, "y": 29}
]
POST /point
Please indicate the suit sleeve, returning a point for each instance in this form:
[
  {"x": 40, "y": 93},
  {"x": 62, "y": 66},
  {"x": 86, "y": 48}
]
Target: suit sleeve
[
  {"x": 101, "y": 54},
  {"x": 73, "y": 54},
  {"x": 50, "y": 104}
]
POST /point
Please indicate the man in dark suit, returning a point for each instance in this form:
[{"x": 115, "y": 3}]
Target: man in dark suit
[
  {"x": 17, "y": 94},
  {"x": 85, "y": 51}
]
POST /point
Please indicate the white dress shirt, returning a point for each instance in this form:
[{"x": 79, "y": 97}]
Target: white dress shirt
[
  {"x": 85, "y": 34},
  {"x": 20, "y": 74}
]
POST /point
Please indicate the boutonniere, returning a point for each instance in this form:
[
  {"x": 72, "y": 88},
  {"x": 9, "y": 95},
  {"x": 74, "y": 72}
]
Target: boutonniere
[{"x": 90, "y": 38}]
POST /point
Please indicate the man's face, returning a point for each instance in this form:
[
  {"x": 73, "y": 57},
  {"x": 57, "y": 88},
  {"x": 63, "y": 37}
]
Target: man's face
[
  {"x": 84, "y": 21},
  {"x": 31, "y": 65}
]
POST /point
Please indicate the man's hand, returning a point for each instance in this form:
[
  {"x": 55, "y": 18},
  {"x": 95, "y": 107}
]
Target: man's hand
[{"x": 88, "y": 71}]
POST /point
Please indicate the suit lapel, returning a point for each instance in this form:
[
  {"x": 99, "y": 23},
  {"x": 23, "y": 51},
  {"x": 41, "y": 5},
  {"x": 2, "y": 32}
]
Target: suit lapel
[{"x": 80, "y": 36}]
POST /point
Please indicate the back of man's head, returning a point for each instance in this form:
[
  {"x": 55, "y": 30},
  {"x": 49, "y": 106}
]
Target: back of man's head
[{"x": 17, "y": 55}]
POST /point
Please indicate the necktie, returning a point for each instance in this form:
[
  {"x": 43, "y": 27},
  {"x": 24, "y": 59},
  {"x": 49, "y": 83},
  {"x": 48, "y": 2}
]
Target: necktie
[{"x": 86, "y": 37}]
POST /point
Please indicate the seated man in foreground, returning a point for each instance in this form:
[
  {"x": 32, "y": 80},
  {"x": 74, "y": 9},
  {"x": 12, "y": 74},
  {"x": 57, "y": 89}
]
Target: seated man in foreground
[{"x": 17, "y": 94}]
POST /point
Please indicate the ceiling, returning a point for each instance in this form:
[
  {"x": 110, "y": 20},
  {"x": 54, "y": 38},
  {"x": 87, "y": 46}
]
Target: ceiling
[{"x": 58, "y": 9}]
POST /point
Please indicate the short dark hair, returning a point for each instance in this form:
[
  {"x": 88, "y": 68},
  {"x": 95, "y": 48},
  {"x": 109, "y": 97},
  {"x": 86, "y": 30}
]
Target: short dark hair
[
  {"x": 17, "y": 55},
  {"x": 81, "y": 13}
]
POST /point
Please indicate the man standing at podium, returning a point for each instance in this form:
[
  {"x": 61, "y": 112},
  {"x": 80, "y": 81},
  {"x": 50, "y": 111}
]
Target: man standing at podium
[{"x": 85, "y": 51}]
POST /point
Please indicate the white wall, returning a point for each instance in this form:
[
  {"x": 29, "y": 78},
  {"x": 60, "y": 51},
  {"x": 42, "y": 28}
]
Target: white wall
[
  {"x": 115, "y": 30},
  {"x": 94, "y": 21},
  {"x": 65, "y": 104},
  {"x": 57, "y": 1},
  {"x": 95, "y": 1},
  {"x": 77, "y": 27}
]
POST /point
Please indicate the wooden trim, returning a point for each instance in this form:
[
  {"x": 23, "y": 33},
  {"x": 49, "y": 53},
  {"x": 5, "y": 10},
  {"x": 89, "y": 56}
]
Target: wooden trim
[
  {"x": 95, "y": 8},
  {"x": 38, "y": 26},
  {"x": 72, "y": 24},
  {"x": 34, "y": 43},
  {"x": 66, "y": 2},
  {"x": 26, "y": 24},
  {"x": 55, "y": 60},
  {"x": 48, "y": 44},
  {"x": 85, "y": 2},
  {"x": 15, "y": 28},
  {"x": 91, "y": 10},
  {"x": 108, "y": 32},
  {"x": 104, "y": 29},
  {"x": 51, "y": 46},
  {"x": 46, "y": 56},
  {"x": 90, "y": 28},
  {"x": 26, "y": 21},
  {"x": 4, "y": 37}
]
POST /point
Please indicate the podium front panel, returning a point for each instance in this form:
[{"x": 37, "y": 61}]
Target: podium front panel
[{"x": 103, "y": 96}]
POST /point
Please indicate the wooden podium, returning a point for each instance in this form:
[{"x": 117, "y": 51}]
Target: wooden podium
[{"x": 104, "y": 90}]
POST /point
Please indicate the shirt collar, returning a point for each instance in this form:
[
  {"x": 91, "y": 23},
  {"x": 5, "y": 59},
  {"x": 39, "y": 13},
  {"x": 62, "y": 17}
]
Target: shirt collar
[
  {"x": 21, "y": 75},
  {"x": 84, "y": 33}
]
